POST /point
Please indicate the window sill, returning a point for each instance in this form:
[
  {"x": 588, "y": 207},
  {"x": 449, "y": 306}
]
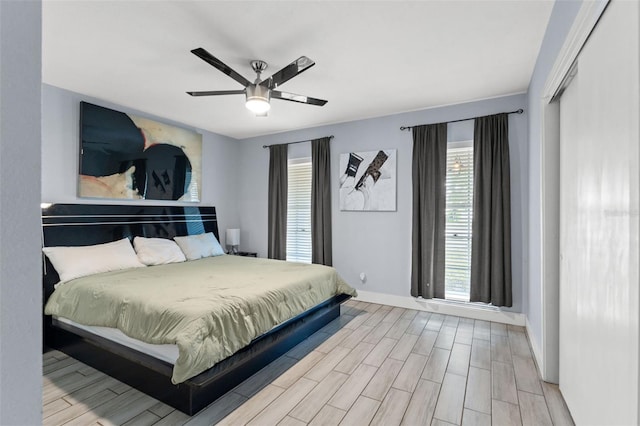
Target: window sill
[{"x": 460, "y": 302}]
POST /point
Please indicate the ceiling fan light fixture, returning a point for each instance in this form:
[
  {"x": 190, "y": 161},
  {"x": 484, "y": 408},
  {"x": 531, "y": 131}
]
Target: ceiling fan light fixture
[
  {"x": 258, "y": 105},
  {"x": 258, "y": 99}
]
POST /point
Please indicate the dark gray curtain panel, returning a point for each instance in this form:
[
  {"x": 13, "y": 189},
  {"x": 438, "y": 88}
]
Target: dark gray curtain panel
[
  {"x": 428, "y": 235},
  {"x": 277, "y": 206},
  {"x": 491, "y": 243},
  {"x": 321, "y": 201}
]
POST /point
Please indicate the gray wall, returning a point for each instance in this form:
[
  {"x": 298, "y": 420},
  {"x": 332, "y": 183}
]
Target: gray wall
[
  {"x": 20, "y": 279},
  {"x": 562, "y": 16},
  {"x": 379, "y": 243},
  {"x": 60, "y": 144}
]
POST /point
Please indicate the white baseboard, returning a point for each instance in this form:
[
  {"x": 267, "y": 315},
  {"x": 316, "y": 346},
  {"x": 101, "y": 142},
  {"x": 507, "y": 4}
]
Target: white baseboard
[
  {"x": 460, "y": 309},
  {"x": 535, "y": 348}
]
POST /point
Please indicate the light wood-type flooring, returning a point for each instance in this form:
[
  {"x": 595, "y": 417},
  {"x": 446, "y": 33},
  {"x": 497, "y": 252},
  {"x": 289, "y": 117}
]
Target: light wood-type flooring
[{"x": 375, "y": 365}]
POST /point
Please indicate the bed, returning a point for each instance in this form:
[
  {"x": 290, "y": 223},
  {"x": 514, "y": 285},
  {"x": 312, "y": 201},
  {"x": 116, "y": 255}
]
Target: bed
[{"x": 142, "y": 366}]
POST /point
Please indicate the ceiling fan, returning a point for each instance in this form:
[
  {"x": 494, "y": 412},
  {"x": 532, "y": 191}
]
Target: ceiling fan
[{"x": 260, "y": 92}]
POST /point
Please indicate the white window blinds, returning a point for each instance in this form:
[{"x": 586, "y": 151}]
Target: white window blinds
[
  {"x": 459, "y": 216},
  {"x": 299, "y": 211}
]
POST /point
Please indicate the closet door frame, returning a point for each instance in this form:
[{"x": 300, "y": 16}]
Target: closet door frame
[{"x": 548, "y": 355}]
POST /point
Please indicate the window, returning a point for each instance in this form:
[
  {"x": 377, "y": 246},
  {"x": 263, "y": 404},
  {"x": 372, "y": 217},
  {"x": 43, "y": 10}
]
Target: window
[
  {"x": 299, "y": 211},
  {"x": 459, "y": 216}
]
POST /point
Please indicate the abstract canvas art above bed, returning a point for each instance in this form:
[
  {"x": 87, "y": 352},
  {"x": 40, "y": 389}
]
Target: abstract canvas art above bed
[
  {"x": 131, "y": 157},
  {"x": 368, "y": 180}
]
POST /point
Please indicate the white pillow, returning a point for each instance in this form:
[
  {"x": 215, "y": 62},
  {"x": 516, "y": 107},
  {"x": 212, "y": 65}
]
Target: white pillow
[
  {"x": 199, "y": 246},
  {"x": 157, "y": 251},
  {"x": 76, "y": 262}
]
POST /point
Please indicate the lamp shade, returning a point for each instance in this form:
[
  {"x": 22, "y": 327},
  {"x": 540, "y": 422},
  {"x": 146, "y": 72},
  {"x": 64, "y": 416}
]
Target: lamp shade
[
  {"x": 258, "y": 106},
  {"x": 258, "y": 99},
  {"x": 233, "y": 237}
]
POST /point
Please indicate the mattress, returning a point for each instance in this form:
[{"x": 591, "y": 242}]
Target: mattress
[{"x": 164, "y": 352}]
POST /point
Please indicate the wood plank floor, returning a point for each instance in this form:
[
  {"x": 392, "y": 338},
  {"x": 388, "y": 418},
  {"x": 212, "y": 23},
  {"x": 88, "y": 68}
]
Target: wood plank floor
[{"x": 375, "y": 365}]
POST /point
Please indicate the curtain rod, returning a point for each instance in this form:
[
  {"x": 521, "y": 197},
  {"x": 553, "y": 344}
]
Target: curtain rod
[
  {"x": 291, "y": 143},
  {"x": 518, "y": 111}
]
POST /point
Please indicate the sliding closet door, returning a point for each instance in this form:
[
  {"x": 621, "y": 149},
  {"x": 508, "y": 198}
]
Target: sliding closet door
[{"x": 599, "y": 224}]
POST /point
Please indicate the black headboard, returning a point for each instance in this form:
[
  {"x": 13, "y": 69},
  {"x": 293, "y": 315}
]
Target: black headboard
[{"x": 87, "y": 224}]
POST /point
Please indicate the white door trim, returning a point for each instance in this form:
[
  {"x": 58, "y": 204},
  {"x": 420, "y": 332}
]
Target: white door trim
[
  {"x": 585, "y": 21},
  {"x": 547, "y": 357}
]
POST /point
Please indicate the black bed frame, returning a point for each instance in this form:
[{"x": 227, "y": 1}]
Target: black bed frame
[{"x": 85, "y": 224}]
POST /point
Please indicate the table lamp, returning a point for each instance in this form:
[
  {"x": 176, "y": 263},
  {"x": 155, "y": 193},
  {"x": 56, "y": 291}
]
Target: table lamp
[{"x": 233, "y": 240}]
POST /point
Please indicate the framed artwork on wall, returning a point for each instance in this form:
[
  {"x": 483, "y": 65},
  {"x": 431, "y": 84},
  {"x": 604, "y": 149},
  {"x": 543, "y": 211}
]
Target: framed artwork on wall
[
  {"x": 125, "y": 156},
  {"x": 368, "y": 181}
]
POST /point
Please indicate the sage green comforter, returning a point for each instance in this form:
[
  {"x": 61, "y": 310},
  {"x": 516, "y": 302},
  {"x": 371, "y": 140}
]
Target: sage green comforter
[{"x": 210, "y": 308}]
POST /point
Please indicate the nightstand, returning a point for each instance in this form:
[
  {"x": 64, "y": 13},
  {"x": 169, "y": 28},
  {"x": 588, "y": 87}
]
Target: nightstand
[{"x": 247, "y": 254}]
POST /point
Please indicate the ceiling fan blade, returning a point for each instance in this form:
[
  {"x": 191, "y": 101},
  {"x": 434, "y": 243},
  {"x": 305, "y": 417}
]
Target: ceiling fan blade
[
  {"x": 297, "y": 98},
  {"x": 217, "y": 63},
  {"x": 287, "y": 73},
  {"x": 217, "y": 92}
]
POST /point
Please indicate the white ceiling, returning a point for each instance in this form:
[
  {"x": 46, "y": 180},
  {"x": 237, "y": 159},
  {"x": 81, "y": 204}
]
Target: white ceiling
[{"x": 372, "y": 58}]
